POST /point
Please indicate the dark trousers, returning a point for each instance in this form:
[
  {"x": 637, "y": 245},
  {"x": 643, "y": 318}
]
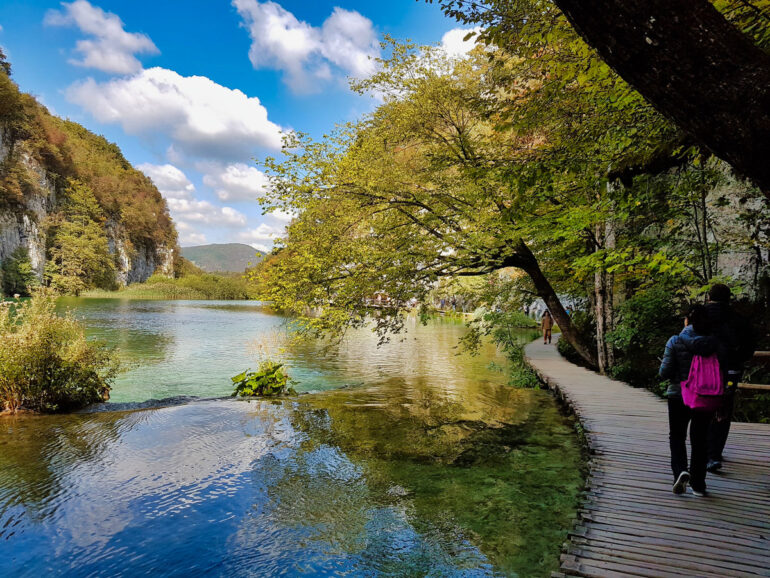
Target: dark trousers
[
  {"x": 679, "y": 417},
  {"x": 720, "y": 427}
]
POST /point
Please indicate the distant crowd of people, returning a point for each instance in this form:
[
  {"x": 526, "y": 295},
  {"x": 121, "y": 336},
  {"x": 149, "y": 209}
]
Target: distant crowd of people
[{"x": 455, "y": 303}]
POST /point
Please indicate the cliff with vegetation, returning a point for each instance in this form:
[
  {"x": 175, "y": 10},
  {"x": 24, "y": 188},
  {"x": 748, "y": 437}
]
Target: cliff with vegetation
[{"x": 74, "y": 213}]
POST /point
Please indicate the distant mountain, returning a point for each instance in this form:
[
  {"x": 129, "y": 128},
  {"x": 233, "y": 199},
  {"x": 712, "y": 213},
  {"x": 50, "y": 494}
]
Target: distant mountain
[{"x": 223, "y": 258}]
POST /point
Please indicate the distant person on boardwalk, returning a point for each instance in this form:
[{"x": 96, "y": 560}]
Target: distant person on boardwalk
[
  {"x": 739, "y": 339},
  {"x": 546, "y": 324},
  {"x": 695, "y": 339}
]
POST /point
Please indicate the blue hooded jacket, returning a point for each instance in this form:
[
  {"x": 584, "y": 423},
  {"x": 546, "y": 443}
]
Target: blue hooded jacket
[{"x": 678, "y": 355}]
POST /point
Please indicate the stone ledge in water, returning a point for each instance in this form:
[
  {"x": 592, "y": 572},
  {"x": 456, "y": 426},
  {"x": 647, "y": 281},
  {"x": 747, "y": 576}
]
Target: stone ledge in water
[
  {"x": 149, "y": 404},
  {"x": 171, "y": 402}
]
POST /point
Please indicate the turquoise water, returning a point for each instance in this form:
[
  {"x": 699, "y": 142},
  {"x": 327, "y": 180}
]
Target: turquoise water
[
  {"x": 173, "y": 348},
  {"x": 408, "y": 460}
]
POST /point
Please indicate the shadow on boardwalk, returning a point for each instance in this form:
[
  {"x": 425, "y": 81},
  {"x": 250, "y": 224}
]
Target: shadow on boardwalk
[{"x": 630, "y": 523}]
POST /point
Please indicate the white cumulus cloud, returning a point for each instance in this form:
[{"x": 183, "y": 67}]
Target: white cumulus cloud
[
  {"x": 110, "y": 48},
  {"x": 282, "y": 216},
  {"x": 171, "y": 182},
  {"x": 189, "y": 235},
  {"x": 346, "y": 42},
  {"x": 201, "y": 117},
  {"x": 262, "y": 237},
  {"x": 236, "y": 182},
  {"x": 453, "y": 42},
  {"x": 203, "y": 212}
]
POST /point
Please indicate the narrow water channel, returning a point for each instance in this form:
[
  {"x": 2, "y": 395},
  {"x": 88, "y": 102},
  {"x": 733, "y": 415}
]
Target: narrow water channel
[{"x": 404, "y": 460}]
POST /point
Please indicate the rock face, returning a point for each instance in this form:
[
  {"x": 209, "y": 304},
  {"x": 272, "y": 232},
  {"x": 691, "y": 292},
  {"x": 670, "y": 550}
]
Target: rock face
[
  {"x": 137, "y": 264},
  {"x": 24, "y": 226}
]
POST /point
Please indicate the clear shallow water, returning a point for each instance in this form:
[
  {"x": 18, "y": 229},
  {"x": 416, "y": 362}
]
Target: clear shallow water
[{"x": 429, "y": 465}]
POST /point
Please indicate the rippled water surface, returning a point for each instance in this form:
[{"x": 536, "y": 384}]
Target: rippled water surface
[{"x": 413, "y": 461}]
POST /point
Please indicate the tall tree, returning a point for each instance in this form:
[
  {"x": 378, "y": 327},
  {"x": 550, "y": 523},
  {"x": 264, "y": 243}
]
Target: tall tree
[
  {"x": 468, "y": 167},
  {"x": 79, "y": 255}
]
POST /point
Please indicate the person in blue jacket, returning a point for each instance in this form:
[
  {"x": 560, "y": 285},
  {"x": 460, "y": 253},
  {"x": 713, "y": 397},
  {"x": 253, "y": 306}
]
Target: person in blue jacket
[{"x": 695, "y": 339}]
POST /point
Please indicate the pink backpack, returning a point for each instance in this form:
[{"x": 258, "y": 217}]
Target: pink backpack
[{"x": 704, "y": 387}]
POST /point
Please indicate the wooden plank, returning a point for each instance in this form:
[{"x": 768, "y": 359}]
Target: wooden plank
[
  {"x": 674, "y": 549},
  {"x": 695, "y": 565}
]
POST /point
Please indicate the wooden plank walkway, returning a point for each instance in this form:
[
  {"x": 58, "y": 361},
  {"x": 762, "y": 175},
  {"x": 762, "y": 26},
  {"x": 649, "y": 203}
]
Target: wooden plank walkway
[{"x": 630, "y": 523}]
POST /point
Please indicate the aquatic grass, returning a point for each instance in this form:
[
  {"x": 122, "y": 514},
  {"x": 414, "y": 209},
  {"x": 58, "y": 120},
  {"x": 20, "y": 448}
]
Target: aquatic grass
[
  {"x": 509, "y": 487},
  {"x": 139, "y": 291},
  {"x": 191, "y": 287}
]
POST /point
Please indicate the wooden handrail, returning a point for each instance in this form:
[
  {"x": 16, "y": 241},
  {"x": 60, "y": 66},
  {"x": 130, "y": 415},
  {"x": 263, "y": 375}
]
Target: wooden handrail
[{"x": 756, "y": 386}]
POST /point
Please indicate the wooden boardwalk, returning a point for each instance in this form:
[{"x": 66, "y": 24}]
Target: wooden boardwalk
[{"x": 630, "y": 523}]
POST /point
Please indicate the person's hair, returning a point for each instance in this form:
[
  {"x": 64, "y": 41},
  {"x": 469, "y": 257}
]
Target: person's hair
[
  {"x": 720, "y": 293},
  {"x": 547, "y": 313},
  {"x": 698, "y": 317}
]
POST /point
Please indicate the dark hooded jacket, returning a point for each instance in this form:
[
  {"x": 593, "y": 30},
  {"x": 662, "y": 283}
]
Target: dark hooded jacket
[
  {"x": 734, "y": 332},
  {"x": 679, "y": 353}
]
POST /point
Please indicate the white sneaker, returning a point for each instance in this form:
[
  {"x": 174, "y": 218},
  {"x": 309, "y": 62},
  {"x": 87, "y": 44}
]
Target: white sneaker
[{"x": 681, "y": 483}]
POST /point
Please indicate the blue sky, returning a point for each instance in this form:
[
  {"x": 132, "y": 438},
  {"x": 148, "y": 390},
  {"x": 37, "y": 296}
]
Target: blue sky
[{"x": 192, "y": 92}]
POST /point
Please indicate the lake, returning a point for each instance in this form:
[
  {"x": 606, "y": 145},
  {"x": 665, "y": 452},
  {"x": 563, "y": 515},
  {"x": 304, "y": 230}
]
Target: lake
[{"x": 403, "y": 460}]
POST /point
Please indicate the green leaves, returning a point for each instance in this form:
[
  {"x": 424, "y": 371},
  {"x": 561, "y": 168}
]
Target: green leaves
[
  {"x": 79, "y": 254},
  {"x": 269, "y": 381},
  {"x": 46, "y": 362},
  {"x": 17, "y": 274}
]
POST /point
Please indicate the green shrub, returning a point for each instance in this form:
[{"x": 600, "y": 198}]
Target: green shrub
[
  {"x": 269, "y": 381},
  {"x": 46, "y": 363},
  {"x": 17, "y": 273},
  {"x": 643, "y": 325},
  {"x": 584, "y": 325}
]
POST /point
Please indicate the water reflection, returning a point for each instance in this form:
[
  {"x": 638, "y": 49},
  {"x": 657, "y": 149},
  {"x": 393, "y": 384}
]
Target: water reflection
[
  {"x": 428, "y": 465},
  {"x": 221, "y": 487}
]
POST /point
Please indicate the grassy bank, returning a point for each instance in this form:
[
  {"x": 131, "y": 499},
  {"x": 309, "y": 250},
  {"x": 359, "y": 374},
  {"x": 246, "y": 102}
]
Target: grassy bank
[{"x": 203, "y": 286}]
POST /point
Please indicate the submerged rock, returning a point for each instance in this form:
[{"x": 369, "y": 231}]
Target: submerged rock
[
  {"x": 149, "y": 404},
  {"x": 399, "y": 491}
]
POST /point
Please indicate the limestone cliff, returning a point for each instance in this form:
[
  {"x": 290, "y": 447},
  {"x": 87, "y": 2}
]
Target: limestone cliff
[{"x": 40, "y": 156}]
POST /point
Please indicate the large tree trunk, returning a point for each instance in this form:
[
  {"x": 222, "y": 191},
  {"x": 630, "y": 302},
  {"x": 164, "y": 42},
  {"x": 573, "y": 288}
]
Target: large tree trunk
[
  {"x": 604, "y": 297},
  {"x": 693, "y": 66},
  {"x": 527, "y": 262}
]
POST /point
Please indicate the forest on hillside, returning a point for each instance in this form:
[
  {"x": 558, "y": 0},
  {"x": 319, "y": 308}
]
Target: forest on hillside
[{"x": 90, "y": 198}]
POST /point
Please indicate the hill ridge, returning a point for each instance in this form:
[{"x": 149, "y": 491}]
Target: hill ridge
[{"x": 223, "y": 257}]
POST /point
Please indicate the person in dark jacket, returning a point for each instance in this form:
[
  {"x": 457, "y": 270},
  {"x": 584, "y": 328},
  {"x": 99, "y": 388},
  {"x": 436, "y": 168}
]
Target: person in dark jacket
[
  {"x": 695, "y": 339},
  {"x": 740, "y": 340}
]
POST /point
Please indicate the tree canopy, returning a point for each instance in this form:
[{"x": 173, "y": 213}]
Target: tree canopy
[
  {"x": 702, "y": 64},
  {"x": 499, "y": 160}
]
